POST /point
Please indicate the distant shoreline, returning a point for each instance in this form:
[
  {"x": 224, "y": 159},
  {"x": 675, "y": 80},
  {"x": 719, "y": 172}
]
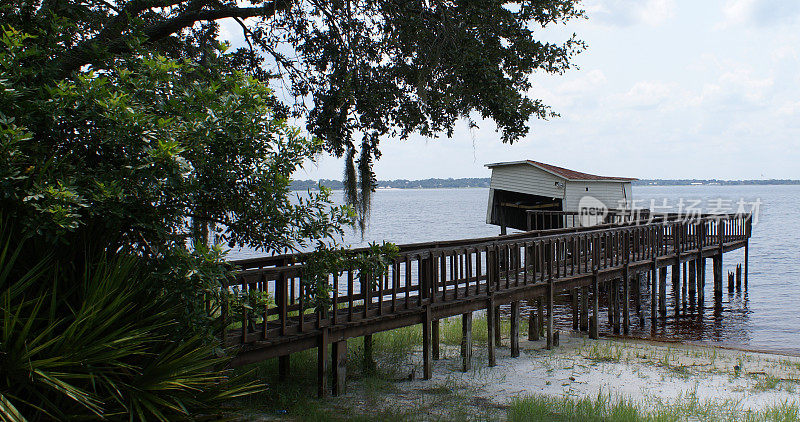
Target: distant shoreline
[{"x": 484, "y": 183}]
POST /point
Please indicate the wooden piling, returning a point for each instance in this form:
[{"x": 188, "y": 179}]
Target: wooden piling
[
  {"x": 490, "y": 326},
  {"x": 466, "y": 341},
  {"x": 730, "y": 281},
  {"x": 435, "y": 339},
  {"x": 692, "y": 283},
  {"x": 716, "y": 263},
  {"x": 575, "y": 310},
  {"x": 550, "y": 314},
  {"x": 626, "y": 323},
  {"x": 540, "y": 312},
  {"x": 322, "y": 362},
  {"x": 514, "y": 330},
  {"x": 638, "y": 295},
  {"x": 746, "y": 259},
  {"x": 739, "y": 278},
  {"x": 427, "y": 369},
  {"x": 609, "y": 286},
  {"x": 283, "y": 368},
  {"x": 339, "y": 367},
  {"x": 662, "y": 291},
  {"x": 549, "y": 298},
  {"x": 617, "y": 283},
  {"x": 653, "y": 292},
  {"x": 701, "y": 281},
  {"x": 684, "y": 287},
  {"x": 533, "y": 326},
  {"x": 369, "y": 358},
  {"x": 497, "y": 327},
  {"x": 676, "y": 287},
  {"x": 593, "y": 320},
  {"x": 585, "y": 308}
]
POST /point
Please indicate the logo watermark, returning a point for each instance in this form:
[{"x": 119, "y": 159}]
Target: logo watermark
[{"x": 593, "y": 211}]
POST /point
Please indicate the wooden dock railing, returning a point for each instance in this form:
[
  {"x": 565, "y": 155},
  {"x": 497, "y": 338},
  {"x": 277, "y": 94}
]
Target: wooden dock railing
[{"x": 430, "y": 281}]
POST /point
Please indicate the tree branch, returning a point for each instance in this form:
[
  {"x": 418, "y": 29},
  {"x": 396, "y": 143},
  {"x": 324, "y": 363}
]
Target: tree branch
[
  {"x": 110, "y": 40},
  {"x": 168, "y": 27}
]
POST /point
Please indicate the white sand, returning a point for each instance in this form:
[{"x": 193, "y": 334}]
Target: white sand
[{"x": 645, "y": 372}]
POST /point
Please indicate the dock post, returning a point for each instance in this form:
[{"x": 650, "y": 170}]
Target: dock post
[
  {"x": 611, "y": 298},
  {"x": 692, "y": 283},
  {"x": 700, "y": 263},
  {"x": 283, "y": 368},
  {"x": 716, "y": 263},
  {"x": 540, "y": 312},
  {"x": 617, "y": 305},
  {"x": 339, "y": 367},
  {"x": 746, "y": 259},
  {"x": 514, "y": 330},
  {"x": 701, "y": 281},
  {"x": 626, "y": 323},
  {"x": 676, "y": 287},
  {"x": 550, "y": 313},
  {"x": 585, "y": 308},
  {"x": 493, "y": 312},
  {"x": 575, "y": 310},
  {"x": 427, "y": 369},
  {"x": 549, "y": 259},
  {"x": 533, "y": 325},
  {"x": 677, "y": 230},
  {"x": 435, "y": 339},
  {"x": 498, "y": 335},
  {"x": 466, "y": 341},
  {"x": 593, "y": 321},
  {"x": 490, "y": 327},
  {"x": 739, "y": 278},
  {"x": 685, "y": 288},
  {"x": 369, "y": 358},
  {"x": 322, "y": 363},
  {"x": 638, "y": 296},
  {"x": 653, "y": 293},
  {"x": 730, "y": 281},
  {"x": 662, "y": 291}
]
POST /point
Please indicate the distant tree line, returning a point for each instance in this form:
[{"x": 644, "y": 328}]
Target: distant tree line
[
  {"x": 484, "y": 183},
  {"x": 398, "y": 184},
  {"x": 682, "y": 182}
]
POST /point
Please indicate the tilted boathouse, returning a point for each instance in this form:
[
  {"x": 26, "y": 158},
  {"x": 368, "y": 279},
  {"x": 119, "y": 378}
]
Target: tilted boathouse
[{"x": 521, "y": 186}]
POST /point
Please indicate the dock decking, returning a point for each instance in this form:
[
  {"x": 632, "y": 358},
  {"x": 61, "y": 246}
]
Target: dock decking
[{"x": 432, "y": 281}]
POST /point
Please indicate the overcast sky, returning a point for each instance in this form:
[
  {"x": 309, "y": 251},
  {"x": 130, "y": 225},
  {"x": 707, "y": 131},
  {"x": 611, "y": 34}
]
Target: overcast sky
[{"x": 667, "y": 89}]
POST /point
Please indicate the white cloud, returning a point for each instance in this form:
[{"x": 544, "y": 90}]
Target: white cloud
[
  {"x": 231, "y": 31},
  {"x": 630, "y": 12},
  {"x": 647, "y": 95},
  {"x": 790, "y": 109},
  {"x": 760, "y": 12},
  {"x": 785, "y": 52},
  {"x": 734, "y": 89}
]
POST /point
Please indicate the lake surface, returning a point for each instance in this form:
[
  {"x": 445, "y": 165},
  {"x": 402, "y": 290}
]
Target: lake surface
[{"x": 767, "y": 317}]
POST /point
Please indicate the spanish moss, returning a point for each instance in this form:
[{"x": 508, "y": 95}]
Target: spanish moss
[
  {"x": 350, "y": 181},
  {"x": 367, "y": 184}
]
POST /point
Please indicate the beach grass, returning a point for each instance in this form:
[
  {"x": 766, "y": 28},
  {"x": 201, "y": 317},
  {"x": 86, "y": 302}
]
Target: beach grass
[
  {"x": 387, "y": 391},
  {"x": 607, "y": 408}
]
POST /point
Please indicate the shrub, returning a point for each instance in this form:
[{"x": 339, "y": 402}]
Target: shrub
[{"x": 95, "y": 343}]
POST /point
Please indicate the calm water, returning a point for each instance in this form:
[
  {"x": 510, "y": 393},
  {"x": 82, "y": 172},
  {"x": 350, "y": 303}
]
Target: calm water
[{"x": 766, "y": 317}]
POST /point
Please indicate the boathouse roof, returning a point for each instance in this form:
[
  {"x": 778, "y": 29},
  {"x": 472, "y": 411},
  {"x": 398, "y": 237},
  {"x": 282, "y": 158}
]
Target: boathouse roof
[{"x": 562, "y": 172}]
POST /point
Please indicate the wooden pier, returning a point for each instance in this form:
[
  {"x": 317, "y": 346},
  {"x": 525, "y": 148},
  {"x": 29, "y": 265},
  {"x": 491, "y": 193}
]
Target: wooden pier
[{"x": 431, "y": 281}]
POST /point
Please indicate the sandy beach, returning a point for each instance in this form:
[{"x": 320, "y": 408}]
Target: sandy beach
[{"x": 720, "y": 383}]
